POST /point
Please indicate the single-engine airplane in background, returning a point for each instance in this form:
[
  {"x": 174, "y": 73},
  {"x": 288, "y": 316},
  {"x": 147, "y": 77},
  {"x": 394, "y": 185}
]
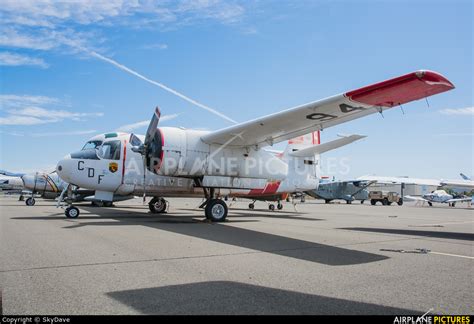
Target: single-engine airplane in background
[
  {"x": 439, "y": 196},
  {"x": 169, "y": 160}
]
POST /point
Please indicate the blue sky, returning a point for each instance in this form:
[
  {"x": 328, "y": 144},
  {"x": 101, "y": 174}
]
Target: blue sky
[{"x": 243, "y": 58}]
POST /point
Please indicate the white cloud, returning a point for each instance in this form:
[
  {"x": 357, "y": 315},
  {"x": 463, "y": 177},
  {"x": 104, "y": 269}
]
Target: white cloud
[
  {"x": 130, "y": 127},
  {"x": 13, "y": 59},
  {"x": 26, "y": 110},
  {"x": 12, "y": 101},
  {"x": 11, "y": 37},
  {"x": 468, "y": 111},
  {"x": 51, "y": 115},
  {"x": 71, "y": 133},
  {"x": 21, "y": 120},
  {"x": 160, "y": 46}
]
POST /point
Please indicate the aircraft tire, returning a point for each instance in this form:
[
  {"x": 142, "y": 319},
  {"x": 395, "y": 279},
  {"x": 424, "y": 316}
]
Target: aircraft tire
[
  {"x": 271, "y": 207},
  {"x": 251, "y": 206},
  {"x": 157, "y": 205},
  {"x": 72, "y": 212},
  {"x": 279, "y": 206},
  {"x": 216, "y": 210},
  {"x": 30, "y": 201}
]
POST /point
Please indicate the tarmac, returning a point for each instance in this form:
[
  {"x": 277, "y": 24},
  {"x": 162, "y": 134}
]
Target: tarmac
[{"x": 317, "y": 259}]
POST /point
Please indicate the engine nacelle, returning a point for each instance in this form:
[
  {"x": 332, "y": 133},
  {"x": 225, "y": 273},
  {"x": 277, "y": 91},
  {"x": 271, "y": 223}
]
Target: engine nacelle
[
  {"x": 181, "y": 152},
  {"x": 178, "y": 152}
]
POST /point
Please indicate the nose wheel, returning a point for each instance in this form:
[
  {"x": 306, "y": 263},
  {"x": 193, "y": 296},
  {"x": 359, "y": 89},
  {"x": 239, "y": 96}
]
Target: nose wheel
[
  {"x": 30, "y": 201},
  {"x": 157, "y": 205},
  {"x": 72, "y": 212}
]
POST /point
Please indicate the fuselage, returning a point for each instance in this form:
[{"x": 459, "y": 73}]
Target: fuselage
[
  {"x": 182, "y": 165},
  {"x": 439, "y": 196}
]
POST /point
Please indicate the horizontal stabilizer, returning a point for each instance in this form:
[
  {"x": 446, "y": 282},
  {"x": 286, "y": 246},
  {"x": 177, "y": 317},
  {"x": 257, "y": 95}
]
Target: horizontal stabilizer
[{"x": 328, "y": 146}]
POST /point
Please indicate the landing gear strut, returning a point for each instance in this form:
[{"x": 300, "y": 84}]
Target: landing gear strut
[
  {"x": 279, "y": 205},
  {"x": 157, "y": 205}
]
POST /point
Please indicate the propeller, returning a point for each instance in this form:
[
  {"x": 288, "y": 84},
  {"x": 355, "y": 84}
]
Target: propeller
[{"x": 144, "y": 149}]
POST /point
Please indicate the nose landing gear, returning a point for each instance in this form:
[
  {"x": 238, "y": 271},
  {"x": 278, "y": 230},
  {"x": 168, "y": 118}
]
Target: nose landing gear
[
  {"x": 72, "y": 212},
  {"x": 30, "y": 201},
  {"x": 158, "y": 205}
]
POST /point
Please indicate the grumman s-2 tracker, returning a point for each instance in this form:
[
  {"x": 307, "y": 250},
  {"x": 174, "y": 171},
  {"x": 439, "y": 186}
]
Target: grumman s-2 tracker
[{"x": 171, "y": 161}]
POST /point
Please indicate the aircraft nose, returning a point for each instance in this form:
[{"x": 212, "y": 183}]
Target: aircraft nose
[{"x": 63, "y": 168}]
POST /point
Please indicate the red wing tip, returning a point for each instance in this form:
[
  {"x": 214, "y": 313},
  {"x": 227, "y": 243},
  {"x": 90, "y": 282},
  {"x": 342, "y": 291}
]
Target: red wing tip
[
  {"x": 405, "y": 88},
  {"x": 433, "y": 77}
]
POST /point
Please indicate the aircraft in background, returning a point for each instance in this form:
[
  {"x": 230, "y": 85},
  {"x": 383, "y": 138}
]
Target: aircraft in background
[
  {"x": 465, "y": 177},
  {"x": 439, "y": 196},
  {"x": 171, "y": 161},
  {"x": 464, "y": 185},
  {"x": 348, "y": 190},
  {"x": 44, "y": 185},
  {"x": 11, "y": 183}
]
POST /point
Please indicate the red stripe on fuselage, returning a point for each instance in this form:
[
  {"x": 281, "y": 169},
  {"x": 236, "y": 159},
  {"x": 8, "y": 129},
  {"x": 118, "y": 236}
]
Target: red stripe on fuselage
[
  {"x": 162, "y": 154},
  {"x": 124, "y": 158},
  {"x": 270, "y": 188}
]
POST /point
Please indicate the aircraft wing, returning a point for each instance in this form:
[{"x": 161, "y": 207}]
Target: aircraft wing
[
  {"x": 331, "y": 111},
  {"x": 459, "y": 200},
  {"x": 414, "y": 198},
  {"x": 461, "y": 184}
]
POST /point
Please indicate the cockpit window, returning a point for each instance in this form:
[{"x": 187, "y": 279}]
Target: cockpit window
[
  {"x": 134, "y": 140},
  {"x": 110, "y": 150},
  {"x": 92, "y": 145}
]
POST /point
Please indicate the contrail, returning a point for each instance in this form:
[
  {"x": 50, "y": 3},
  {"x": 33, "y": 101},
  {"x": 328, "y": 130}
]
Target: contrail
[{"x": 158, "y": 84}]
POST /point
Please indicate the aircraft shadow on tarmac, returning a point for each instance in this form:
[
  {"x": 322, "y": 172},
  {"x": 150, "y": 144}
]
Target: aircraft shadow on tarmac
[
  {"x": 190, "y": 225},
  {"x": 228, "y": 297},
  {"x": 434, "y": 234}
]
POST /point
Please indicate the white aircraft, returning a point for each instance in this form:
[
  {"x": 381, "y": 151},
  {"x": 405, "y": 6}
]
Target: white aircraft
[
  {"x": 439, "y": 196},
  {"x": 448, "y": 184},
  {"x": 43, "y": 184},
  {"x": 184, "y": 162}
]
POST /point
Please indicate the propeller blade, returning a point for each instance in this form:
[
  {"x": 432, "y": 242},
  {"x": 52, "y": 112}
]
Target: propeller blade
[
  {"x": 150, "y": 135},
  {"x": 152, "y": 127}
]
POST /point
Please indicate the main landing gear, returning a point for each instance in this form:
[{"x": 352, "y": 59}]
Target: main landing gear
[
  {"x": 158, "y": 205},
  {"x": 215, "y": 209},
  {"x": 279, "y": 206},
  {"x": 271, "y": 207}
]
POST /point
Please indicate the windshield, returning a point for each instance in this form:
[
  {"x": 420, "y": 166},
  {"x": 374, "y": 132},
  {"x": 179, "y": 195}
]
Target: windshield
[
  {"x": 110, "y": 150},
  {"x": 92, "y": 145},
  {"x": 134, "y": 140}
]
